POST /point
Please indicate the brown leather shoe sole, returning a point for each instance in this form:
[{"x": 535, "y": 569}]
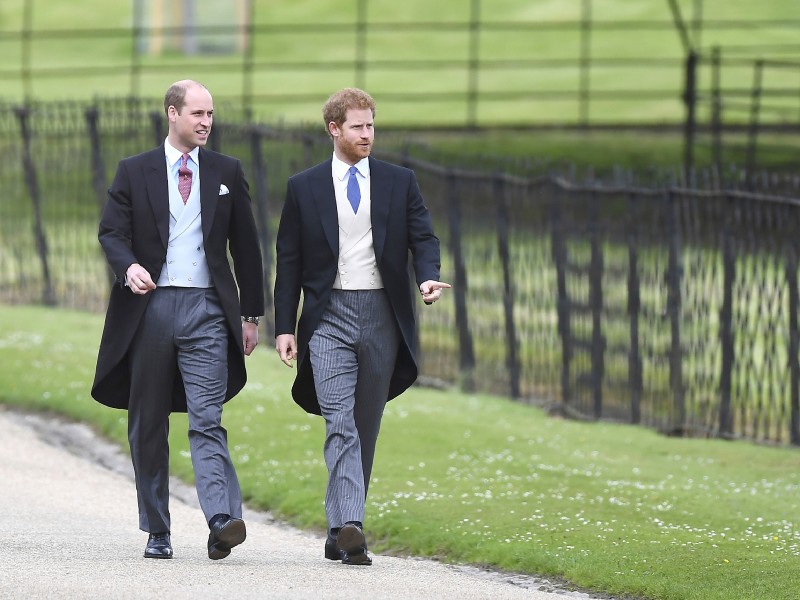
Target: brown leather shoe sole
[{"x": 353, "y": 546}]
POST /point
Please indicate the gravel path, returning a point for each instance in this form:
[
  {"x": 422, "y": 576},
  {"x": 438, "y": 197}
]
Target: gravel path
[{"x": 68, "y": 530}]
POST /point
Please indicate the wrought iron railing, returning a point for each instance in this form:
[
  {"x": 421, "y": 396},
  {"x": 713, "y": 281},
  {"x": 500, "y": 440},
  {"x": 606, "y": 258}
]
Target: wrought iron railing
[{"x": 662, "y": 304}]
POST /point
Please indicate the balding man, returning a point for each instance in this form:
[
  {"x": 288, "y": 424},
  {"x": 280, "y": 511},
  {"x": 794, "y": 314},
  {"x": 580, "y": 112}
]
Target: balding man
[{"x": 179, "y": 325}]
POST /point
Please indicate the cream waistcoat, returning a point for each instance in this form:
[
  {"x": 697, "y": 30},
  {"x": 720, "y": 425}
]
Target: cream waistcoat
[{"x": 357, "y": 268}]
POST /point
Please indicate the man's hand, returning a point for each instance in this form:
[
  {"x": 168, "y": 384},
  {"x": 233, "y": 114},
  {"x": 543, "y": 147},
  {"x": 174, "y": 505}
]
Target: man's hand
[
  {"x": 139, "y": 280},
  {"x": 286, "y": 347},
  {"x": 250, "y": 337},
  {"x": 432, "y": 290}
]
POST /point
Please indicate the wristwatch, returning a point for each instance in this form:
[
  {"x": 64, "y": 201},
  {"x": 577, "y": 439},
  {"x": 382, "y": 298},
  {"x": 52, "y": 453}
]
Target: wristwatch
[{"x": 251, "y": 320}]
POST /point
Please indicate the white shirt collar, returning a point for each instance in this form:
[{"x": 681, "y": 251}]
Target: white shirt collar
[
  {"x": 174, "y": 155},
  {"x": 340, "y": 168}
]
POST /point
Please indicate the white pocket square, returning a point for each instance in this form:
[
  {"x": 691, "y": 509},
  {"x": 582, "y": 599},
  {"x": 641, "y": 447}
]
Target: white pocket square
[{"x": 223, "y": 189}]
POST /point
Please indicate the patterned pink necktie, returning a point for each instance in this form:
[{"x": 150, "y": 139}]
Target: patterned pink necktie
[{"x": 184, "y": 178}]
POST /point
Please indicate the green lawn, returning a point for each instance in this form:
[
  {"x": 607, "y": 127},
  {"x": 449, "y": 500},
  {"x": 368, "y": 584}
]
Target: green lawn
[
  {"x": 305, "y": 50},
  {"x": 480, "y": 479},
  {"x": 310, "y": 48}
]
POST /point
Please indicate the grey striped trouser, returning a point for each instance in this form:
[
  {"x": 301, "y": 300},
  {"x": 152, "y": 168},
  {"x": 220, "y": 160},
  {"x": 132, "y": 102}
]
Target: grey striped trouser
[{"x": 353, "y": 353}]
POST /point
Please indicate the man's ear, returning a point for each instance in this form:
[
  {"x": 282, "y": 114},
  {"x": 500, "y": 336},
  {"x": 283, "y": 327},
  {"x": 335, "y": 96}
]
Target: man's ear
[{"x": 333, "y": 129}]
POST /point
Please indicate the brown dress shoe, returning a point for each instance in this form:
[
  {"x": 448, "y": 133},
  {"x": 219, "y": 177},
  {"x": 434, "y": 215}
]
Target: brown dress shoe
[{"x": 353, "y": 545}]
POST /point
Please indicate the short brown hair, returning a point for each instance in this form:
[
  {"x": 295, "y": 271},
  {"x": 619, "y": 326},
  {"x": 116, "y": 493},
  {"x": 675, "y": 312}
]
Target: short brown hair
[
  {"x": 176, "y": 94},
  {"x": 340, "y": 102}
]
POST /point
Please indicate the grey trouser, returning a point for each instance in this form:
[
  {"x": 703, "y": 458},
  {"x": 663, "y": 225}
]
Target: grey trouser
[
  {"x": 183, "y": 330},
  {"x": 353, "y": 353}
]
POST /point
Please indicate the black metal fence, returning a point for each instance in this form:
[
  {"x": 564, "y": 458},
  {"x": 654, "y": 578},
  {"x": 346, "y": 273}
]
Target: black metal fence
[{"x": 651, "y": 302}]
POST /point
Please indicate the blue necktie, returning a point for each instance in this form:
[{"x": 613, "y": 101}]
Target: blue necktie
[{"x": 353, "y": 191}]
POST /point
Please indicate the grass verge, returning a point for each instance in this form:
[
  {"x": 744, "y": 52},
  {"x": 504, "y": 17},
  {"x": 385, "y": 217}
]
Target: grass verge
[{"x": 479, "y": 479}]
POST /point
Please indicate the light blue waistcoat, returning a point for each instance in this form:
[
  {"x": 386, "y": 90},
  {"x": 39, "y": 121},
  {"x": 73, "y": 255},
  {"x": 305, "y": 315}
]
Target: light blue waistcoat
[{"x": 186, "y": 264}]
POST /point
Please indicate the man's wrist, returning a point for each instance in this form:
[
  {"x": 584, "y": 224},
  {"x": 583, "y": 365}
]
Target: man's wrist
[{"x": 253, "y": 320}]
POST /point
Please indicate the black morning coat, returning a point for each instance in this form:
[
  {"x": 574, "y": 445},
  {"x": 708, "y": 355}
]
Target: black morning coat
[
  {"x": 134, "y": 228},
  {"x": 307, "y": 256}
]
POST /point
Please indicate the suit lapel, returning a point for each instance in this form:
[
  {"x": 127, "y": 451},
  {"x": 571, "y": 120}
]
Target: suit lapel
[
  {"x": 210, "y": 179},
  {"x": 381, "y": 185},
  {"x": 325, "y": 201},
  {"x": 155, "y": 172}
]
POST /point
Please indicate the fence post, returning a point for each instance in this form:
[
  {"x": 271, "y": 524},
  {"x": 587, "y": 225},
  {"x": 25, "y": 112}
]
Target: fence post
[
  {"x": 308, "y": 144},
  {"x": 674, "y": 275},
  {"x": 559, "y": 250},
  {"x": 26, "y": 51},
  {"x": 157, "y": 121},
  {"x": 248, "y": 53},
  {"x": 596, "y": 267},
  {"x": 690, "y": 126},
  {"x": 99, "y": 182},
  {"x": 261, "y": 201},
  {"x": 794, "y": 336},
  {"x": 465, "y": 345},
  {"x": 188, "y": 30},
  {"x": 215, "y": 138},
  {"x": 361, "y": 44},
  {"x": 137, "y": 29},
  {"x": 474, "y": 63},
  {"x": 634, "y": 308},
  {"x": 716, "y": 110},
  {"x": 726, "y": 321},
  {"x": 98, "y": 166},
  {"x": 752, "y": 130},
  {"x": 512, "y": 353},
  {"x": 32, "y": 182},
  {"x": 584, "y": 95}
]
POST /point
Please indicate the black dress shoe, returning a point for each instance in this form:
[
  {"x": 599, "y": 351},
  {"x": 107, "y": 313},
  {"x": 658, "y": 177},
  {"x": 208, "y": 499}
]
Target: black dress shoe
[
  {"x": 332, "y": 551},
  {"x": 353, "y": 545},
  {"x": 158, "y": 546},
  {"x": 225, "y": 534}
]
